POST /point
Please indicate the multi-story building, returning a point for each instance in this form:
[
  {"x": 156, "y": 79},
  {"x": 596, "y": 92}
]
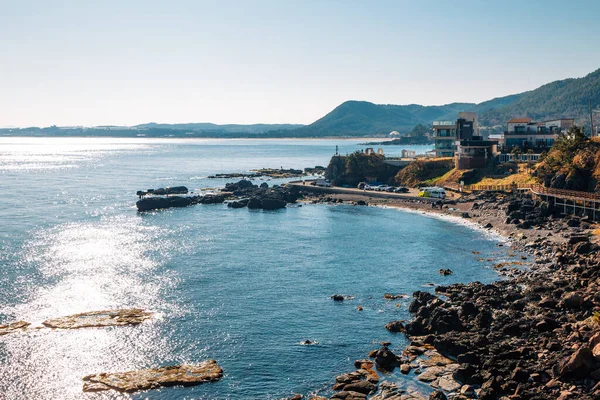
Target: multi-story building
[
  {"x": 538, "y": 136},
  {"x": 446, "y": 134},
  {"x": 474, "y": 152}
]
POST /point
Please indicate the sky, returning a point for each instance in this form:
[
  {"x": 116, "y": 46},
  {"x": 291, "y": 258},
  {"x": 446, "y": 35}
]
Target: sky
[{"x": 128, "y": 62}]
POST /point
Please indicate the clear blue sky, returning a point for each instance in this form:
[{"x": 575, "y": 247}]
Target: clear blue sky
[{"x": 127, "y": 62}]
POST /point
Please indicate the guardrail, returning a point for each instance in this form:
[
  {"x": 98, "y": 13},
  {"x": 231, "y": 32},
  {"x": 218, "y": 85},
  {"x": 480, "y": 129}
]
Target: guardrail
[{"x": 537, "y": 189}]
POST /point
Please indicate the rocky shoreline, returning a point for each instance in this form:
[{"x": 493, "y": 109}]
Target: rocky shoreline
[{"x": 535, "y": 335}]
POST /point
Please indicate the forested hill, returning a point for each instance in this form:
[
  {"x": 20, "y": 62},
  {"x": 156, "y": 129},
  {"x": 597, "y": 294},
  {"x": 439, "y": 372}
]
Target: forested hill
[
  {"x": 568, "y": 98},
  {"x": 361, "y": 118}
]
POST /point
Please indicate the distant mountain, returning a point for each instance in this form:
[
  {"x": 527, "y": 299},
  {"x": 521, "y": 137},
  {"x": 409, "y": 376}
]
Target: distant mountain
[
  {"x": 565, "y": 98},
  {"x": 361, "y": 118},
  {"x": 230, "y": 128},
  {"x": 191, "y": 130}
]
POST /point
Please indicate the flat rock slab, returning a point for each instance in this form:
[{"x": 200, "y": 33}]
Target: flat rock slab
[
  {"x": 121, "y": 317},
  {"x": 13, "y": 327},
  {"x": 154, "y": 378}
]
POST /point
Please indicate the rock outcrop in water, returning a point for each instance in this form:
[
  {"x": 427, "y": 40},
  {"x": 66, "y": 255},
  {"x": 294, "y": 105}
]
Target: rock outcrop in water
[
  {"x": 157, "y": 203},
  {"x": 164, "y": 191},
  {"x": 154, "y": 378},
  {"x": 243, "y": 193},
  {"x": 260, "y": 197},
  {"x": 121, "y": 317},
  {"x": 13, "y": 327}
]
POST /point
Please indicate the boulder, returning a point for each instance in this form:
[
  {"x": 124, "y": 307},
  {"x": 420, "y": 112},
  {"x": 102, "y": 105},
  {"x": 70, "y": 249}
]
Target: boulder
[
  {"x": 395, "y": 326},
  {"x": 272, "y": 204},
  {"x": 574, "y": 239},
  {"x": 254, "y": 203},
  {"x": 364, "y": 387},
  {"x": 385, "y": 359},
  {"x": 212, "y": 199},
  {"x": 519, "y": 375},
  {"x": 579, "y": 364},
  {"x": 583, "y": 247},
  {"x": 238, "y": 204},
  {"x": 348, "y": 395},
  {"x": 437, "y": 395},
  {"x": 572, "y": 301}
]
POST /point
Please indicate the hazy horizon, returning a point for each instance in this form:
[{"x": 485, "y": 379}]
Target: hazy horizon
[{"x": 89, "y": 64}]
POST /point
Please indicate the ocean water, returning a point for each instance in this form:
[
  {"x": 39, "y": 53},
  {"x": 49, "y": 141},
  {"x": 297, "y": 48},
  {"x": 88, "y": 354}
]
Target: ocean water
[{"x": 243, "y": 287}]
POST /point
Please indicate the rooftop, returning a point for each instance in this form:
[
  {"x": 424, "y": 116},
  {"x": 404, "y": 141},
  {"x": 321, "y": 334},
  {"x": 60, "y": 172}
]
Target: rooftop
[{"x": 519, "y": 121}]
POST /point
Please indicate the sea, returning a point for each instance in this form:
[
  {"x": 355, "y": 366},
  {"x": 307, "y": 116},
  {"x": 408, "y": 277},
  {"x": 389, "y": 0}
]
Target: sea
[{"x": 243, "y": 287}]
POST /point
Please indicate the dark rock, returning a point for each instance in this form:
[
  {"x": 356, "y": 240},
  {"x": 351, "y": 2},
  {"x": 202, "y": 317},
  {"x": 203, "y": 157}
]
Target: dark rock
[
  {"x": 437, "y": 395},
  {"x": 348, "y": 395},
  {"x": 338, "y": 297},
  {"x": 254, "y": 203},
  {"x": 579, "y": 364},
  {"x": 385, "y": 359},
  {"x": 273, "y": 204},
  {"x": 212, "y": 199},
  {"x": 156, "y": 203},
  {"x": 519, "y": 375},
  {"x": 264, "y": 185},
  {"x": 364, "y": 387},
  {"x": 238, "y": 204},
  {"x": 395, "y": 326},
  {"x": 420, "y": 299},
  {"x": 574, "y": 239},
  {"x": 572, "y": 301},
  {"x": 583, "y": 247}
]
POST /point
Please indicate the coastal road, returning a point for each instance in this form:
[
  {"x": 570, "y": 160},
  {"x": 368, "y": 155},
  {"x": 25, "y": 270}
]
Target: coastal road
[{"x": 411, "y": 195}]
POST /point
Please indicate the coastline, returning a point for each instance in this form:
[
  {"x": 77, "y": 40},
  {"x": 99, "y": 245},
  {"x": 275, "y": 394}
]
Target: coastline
[{"x": 515, "y": 311}]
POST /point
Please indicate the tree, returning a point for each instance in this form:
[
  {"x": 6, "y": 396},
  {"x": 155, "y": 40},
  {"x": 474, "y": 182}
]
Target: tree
[
  {"x": 516, "y": 152},
  {"x": 418, "y": 131}
]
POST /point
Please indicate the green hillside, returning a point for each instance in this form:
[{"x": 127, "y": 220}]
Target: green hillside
[
  {"x": 361, "y": 118},
  {"x": 567, "y": 98}
]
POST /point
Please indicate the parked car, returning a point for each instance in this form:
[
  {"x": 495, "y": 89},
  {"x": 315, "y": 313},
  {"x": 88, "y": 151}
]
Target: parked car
[
  {"x": 390, "y": 189},
  {"x": 369, "y": 187},
  {"x": 382, "y": 188},
  {"x": 401, "y": 190},
  {"x": 362, "y": 185}
]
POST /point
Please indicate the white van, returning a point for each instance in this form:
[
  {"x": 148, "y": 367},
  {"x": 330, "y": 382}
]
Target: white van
[
  {"x": 436, "y": 192},
  {"x": 322, "y": 183}
]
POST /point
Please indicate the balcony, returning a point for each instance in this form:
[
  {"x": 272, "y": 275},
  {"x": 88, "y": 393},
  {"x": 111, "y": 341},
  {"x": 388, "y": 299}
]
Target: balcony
[{"x": 444, "y": 123}]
